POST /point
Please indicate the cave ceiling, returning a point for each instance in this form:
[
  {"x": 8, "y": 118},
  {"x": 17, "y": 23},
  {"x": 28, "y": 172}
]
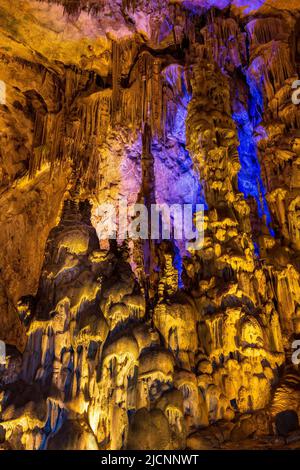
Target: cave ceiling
[{"x": 187, "y": 102}]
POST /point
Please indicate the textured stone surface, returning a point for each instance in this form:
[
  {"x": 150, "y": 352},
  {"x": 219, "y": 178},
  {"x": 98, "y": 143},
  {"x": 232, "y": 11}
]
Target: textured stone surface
[{"x": 145, "y": 344}]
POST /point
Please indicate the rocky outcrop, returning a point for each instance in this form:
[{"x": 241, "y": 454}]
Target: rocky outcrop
[{"x": 138, "y": 343}]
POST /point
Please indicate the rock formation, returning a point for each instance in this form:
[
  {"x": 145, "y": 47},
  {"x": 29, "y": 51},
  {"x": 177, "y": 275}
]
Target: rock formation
[{"x": 134, "y": 343}]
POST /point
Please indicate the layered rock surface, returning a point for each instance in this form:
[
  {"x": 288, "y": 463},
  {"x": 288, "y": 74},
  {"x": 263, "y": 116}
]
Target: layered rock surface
[{"x": 143, "y": 344}]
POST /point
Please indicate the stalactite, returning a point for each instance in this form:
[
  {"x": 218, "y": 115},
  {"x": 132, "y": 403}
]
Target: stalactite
[
  {"x": 142, "y": 103},
  {"x": 90, "y": 132},
  {"x": 272, "y": 68},
  {"x": 156, "y": 343},
  {"x": 116, "y": 76},
  {"x": 145, "y": 64},
  {"x": 222, "y": 41},
  {"x": 131, "y": 105},
  {"x": 262, "y": 31},
  {"x": 156, "y": 99},
  {"x": 74, "y": 7},
  {"x": 129, "y": 4}
]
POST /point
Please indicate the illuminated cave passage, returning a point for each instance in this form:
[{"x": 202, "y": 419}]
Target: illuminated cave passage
[{"x": 134, "y": 343}]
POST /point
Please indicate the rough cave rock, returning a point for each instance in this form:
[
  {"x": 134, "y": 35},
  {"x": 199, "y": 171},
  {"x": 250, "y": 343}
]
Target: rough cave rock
[{"x": 144, "y": 344}]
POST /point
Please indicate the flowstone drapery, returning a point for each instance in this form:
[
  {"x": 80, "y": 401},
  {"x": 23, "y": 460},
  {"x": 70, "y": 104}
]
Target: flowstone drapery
[{"x": 144, "y": 343}]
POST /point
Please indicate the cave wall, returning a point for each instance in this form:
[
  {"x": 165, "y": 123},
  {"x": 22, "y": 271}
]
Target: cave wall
[{"x": 142, "y": 344}]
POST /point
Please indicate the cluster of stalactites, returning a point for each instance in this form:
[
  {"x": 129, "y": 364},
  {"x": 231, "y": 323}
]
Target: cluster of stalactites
[
  {"x": 73, "y": 7},
  {"x": 77, "y": 129},
  {"x": 264, "y": 30},
  {"x": 140, "y": 100},
  {"x": 273, "y": 67},
  {"x": 223, "y": 42}
]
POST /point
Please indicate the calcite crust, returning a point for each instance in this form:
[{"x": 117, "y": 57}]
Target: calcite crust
[{"x": 141, "y": 343}]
